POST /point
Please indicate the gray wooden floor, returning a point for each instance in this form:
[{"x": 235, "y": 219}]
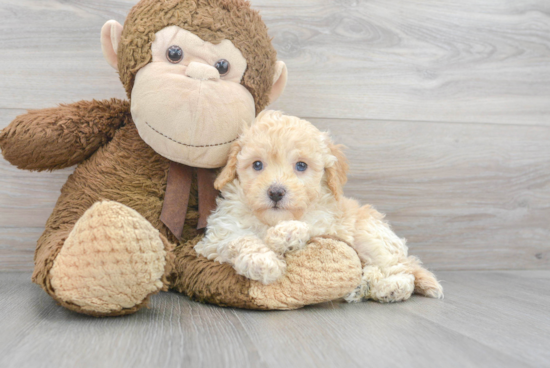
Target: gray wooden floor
[{"x": 488, "y": 319}]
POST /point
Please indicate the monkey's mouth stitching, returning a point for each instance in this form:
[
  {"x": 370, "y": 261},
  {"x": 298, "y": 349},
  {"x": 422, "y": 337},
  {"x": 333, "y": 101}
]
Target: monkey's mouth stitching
[{"x": 190, "y": 145}]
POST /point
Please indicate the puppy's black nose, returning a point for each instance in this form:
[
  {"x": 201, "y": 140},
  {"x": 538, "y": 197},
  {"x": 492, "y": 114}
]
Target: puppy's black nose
[{"x": 276, "y": 193}]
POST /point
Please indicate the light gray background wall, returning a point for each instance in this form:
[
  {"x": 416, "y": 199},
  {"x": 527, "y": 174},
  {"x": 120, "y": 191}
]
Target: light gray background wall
[{"x": 444, "y": 105}]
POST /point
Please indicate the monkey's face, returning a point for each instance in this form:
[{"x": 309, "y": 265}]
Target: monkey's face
[
  {"x": 195, "y": 72},
  {"x": 188, "y": 103}
]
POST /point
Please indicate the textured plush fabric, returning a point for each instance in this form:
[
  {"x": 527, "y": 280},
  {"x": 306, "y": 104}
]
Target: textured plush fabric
[
  {"x": 326, "y": 269},
  {"x": 207, "y": 281},
  {"x": 188, "y": 120},
  {"x": 125, "y": 170},
  {"x": 62, "y": 136},
  {"x": 212, "y": 21},
  {"x": 110, "y": 35},
  {"x": 113, "y": 259}
]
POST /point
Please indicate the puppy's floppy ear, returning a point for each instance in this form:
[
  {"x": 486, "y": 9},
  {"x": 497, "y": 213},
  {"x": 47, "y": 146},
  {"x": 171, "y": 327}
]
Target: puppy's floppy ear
[
  {"x": 337, "y": 171},
  {"x": 229, "y": 172}
]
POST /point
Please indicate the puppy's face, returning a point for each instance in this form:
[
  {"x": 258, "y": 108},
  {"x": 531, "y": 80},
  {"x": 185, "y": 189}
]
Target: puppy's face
[{"x": 282, "y": 164}]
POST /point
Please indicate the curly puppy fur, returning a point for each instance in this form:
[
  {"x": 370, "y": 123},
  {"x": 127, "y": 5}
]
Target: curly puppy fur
[{"x": 253, "y": 232}]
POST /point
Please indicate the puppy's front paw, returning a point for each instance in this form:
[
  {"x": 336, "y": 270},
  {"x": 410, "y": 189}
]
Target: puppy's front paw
[
  {"x": 265, "y": 267},
  {"x": 287, "y": 236}
]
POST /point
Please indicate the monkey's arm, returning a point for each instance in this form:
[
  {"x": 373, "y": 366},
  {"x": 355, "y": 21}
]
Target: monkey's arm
[{"x": 63, "y": 136}]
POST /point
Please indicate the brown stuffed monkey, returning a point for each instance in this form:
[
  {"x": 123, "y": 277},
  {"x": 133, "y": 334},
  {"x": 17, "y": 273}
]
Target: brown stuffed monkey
[{"x": 128, "y": 217}]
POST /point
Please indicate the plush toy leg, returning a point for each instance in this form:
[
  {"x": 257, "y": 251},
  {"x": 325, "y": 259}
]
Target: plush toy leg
[
  {"x": 325, "y": 270},
  {"x": 109, "y": 263}
]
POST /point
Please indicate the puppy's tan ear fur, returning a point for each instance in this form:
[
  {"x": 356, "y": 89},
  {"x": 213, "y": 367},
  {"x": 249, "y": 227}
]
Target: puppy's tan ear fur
[
  {"x": 337, "y": 173},
  {"x": 229, "y": 172}
]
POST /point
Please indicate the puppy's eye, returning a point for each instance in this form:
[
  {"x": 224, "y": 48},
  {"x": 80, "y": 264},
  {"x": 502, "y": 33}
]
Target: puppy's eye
[
  {"x": 257, "y": 165},
  {"x": 174, "y": 54},
  {"x": 223, "y": 66},
  {"x": 301, "y": 166}
]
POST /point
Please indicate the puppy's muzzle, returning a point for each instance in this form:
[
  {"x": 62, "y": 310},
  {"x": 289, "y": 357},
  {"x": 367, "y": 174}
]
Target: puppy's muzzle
[{"x": 276, "y": 193}]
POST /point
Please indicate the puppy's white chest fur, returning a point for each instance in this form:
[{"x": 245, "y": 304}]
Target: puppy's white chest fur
[{"x": 329, "y": 216}]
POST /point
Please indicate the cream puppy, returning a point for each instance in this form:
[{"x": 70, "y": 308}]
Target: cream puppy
[{"x": 282, "y": 185}]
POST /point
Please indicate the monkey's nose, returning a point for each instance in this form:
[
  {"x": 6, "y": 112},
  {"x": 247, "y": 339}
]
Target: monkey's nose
[
  {"x": 276, "y": 193},
  {"x": 202, "y": 71}
]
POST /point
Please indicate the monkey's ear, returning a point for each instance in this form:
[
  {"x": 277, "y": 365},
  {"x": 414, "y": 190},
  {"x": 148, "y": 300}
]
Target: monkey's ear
[
  {"x": 279, "y": 81},
  {"x": 229, "y": 172},
  {"x": 110, "y": 38}
]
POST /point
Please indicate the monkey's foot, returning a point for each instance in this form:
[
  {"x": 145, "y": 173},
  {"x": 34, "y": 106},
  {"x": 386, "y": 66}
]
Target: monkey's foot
[
  {"x": 326, "y": 269},
  {"x": 111, "y": 262}
]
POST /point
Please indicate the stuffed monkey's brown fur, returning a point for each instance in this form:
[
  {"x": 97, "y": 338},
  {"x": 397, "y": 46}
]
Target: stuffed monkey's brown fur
[{"x": 114, "y": 163}]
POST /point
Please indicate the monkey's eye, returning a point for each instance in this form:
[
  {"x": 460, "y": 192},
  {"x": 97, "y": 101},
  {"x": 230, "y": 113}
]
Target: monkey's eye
[
  {"x": 223, "y": 66},
  {"x": 301, "y": 166},
  {"x": 258, "y": 165},
  {"x": 174, "y": 54}
]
